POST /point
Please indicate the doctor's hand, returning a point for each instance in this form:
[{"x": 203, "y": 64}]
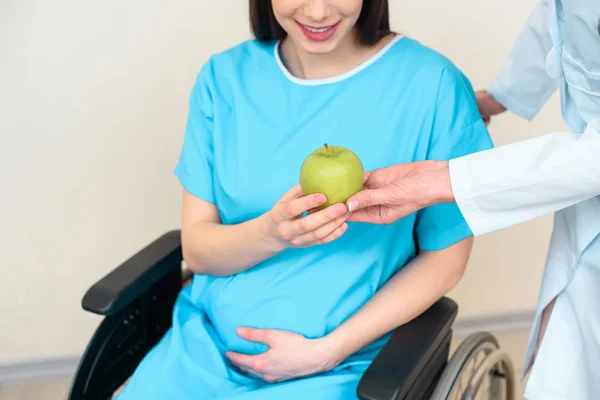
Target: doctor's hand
[
  {"x": 488, "y": 106},
  {"x": 394, "y": 192},
  {"x": 290, "y": 355},
  {"x": 290, "y": 228}
]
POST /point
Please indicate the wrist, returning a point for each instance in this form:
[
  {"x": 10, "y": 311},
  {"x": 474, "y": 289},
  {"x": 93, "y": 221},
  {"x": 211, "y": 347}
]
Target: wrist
[
  {"x": 267, "y": 233},
  {"x": 335, "y": 348},
  {"x": 440, "y": 186}
]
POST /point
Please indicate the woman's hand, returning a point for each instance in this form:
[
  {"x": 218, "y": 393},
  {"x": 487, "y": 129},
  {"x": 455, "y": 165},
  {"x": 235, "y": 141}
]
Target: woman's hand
[
  {"x": 290, "y": 355},
  {"x": 290, "y": 228}
]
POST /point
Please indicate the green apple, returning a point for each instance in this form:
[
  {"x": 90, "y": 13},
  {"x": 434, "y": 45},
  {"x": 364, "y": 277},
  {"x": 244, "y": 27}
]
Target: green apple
[{"x": 333, "y": 171}]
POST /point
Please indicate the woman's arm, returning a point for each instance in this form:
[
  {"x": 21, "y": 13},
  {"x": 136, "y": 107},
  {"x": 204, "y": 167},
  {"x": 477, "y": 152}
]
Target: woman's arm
[
  {"x": 212, "y": 248},
  {"x": 404, "y": 297}
]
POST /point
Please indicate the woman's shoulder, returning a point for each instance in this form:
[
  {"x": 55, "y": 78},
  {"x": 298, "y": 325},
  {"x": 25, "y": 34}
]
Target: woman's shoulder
[
  {"x": 248, "y": 54},
  {"x": 424, "y": 59},
  {"x": 433, "y": 73},
  {"x": 242, "y": 53},
  {"x": 227, "y": 70}
]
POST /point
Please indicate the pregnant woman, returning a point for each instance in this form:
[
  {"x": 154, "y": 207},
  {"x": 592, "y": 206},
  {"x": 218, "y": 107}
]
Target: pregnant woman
[{"x": 285, "y": 304}]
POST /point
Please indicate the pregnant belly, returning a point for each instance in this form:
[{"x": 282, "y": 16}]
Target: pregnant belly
[
  {"x": 298, "y": 291},
  {"x": 290, "y": 312}
]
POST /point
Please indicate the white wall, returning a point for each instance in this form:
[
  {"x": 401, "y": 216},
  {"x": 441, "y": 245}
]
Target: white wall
[{"x": 93, "y": 102}]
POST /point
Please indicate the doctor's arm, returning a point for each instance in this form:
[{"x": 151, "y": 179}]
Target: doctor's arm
[
  {"x": 523, "y": 85},
  {"x": 494, "y": 189},
  {"x": 522, "y": 181}
]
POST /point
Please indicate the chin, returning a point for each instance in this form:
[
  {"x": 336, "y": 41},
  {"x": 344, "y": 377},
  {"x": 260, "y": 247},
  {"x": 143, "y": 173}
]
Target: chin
[{"x": 319, "y": 48}]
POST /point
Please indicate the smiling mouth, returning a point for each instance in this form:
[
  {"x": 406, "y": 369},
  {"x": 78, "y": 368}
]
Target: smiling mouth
[
  {"x": 315, "y": 29},
  {"x": 318, "y": 30},
  {"x": 318, "y": 33}
]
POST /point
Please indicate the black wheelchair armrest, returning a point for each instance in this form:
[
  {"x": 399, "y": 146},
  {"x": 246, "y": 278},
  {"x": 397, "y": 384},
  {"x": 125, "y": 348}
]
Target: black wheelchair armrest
[
  {"x": 135, "y": 276},
  {"x": 137, "y": 301},
  {"x": 411, "y": 361}
]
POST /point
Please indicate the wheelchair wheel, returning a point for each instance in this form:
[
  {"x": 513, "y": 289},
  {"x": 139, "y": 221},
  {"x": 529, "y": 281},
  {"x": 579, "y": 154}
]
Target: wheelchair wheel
[{"x": 478, "y": 370}]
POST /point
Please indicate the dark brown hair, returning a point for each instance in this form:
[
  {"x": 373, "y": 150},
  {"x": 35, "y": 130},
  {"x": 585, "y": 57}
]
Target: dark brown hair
[{"x": 373, "y": 23}]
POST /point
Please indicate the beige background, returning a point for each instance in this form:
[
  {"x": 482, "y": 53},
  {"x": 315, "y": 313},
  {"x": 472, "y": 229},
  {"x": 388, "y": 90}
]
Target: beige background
[{"x": 93, "y": 102}]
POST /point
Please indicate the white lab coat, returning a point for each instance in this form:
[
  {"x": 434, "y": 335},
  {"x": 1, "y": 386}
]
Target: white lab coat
[{"x": 558, "y": 172}]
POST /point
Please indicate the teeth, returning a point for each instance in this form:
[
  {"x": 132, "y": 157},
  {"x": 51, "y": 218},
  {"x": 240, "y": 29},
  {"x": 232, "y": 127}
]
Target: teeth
[{"x": 316, "y": 30}]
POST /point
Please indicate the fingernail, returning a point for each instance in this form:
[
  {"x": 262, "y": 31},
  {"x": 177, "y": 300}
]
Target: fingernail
[
  {"x": 340, "y": 209},
  {"x": 344, "y": 227},
  {"x": 353, "y": 205},
  {"x": 320, "y": 198},
  {"x": 241, "y": 331}
]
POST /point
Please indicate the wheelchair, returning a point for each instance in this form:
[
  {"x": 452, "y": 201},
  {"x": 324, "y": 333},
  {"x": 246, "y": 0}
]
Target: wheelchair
[{"x": 137, "y": 298}]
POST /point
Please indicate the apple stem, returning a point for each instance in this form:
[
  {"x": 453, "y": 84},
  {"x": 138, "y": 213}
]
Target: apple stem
[{"x": 326, "y": 150}]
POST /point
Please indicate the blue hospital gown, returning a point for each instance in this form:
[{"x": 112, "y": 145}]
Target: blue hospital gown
[{"x": 251, "y": 124}]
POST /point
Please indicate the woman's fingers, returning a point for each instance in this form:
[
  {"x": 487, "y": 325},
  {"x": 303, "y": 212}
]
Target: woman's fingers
[
  {"x": 273, "y": 378},
  {"x": 267, "y": 377},
  {"x": 292, "y": 194},
  {"x": 313, "y": 221},
  {"x": 318, "y": 236},
  {"x": 291, "y": 209},
  {"x": 336, "y": 234},
  {"x": 241, "y": 360}
]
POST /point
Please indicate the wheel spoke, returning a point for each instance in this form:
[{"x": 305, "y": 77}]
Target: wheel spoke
[{"x": 477, "y": 370}]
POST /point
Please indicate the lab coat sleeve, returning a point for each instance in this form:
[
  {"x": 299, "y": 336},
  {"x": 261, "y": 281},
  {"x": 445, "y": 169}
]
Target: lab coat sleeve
[
  {"x": 508, "y": 185},
  {"x": 523, "y": 85}
]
